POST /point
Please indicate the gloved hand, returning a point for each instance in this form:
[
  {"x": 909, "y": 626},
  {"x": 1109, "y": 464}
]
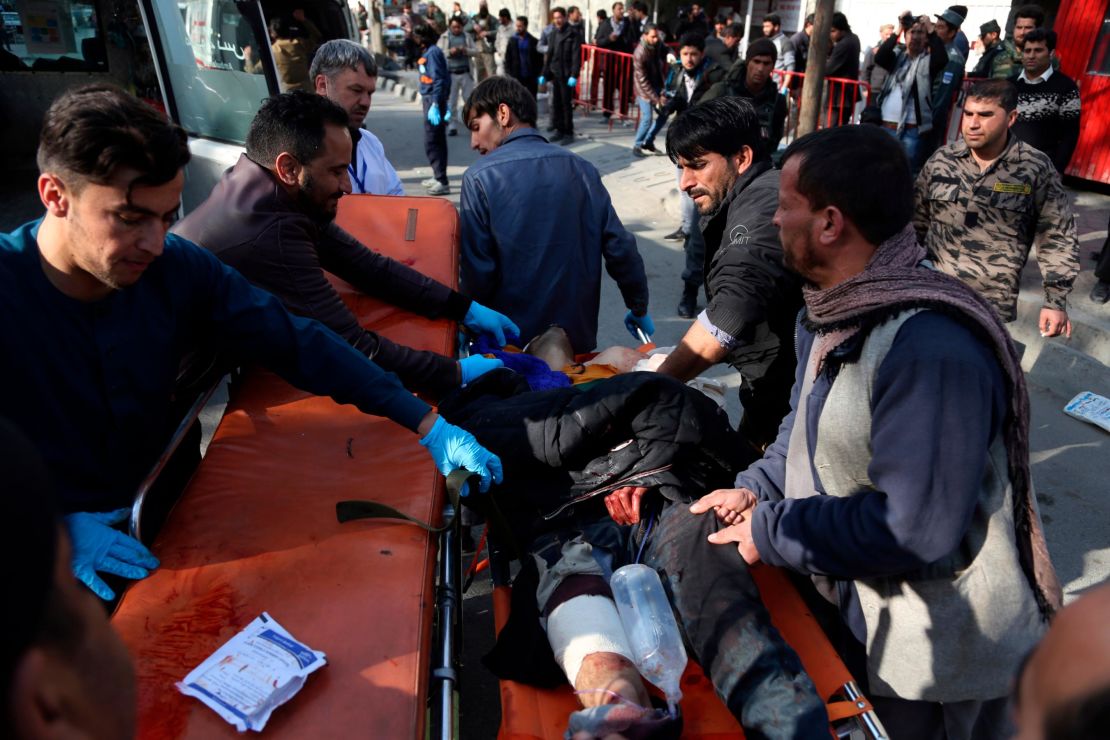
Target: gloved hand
[
  {"x": 481, "y": 319},
  {"x": 434, "y": 116},
  {"x": 453, "y": 448},
  {"x": 476, "y": 366},
  {"x": 540, "y": 82},
  {"x": 633, "y": 322},
  {"x": 446, "y": 114},
  {"x": 572, "y": 82},
  {"x": 96, "y": 546}
]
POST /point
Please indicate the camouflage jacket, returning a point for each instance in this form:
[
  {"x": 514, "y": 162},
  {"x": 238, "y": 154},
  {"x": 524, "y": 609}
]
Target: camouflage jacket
[
  {"x": 980, "y": 225},
  {"x": 997, "y": 62}
]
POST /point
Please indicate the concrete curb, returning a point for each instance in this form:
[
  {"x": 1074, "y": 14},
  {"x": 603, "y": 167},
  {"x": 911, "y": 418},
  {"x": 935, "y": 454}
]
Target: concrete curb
[{"x": 399, "y": 89}]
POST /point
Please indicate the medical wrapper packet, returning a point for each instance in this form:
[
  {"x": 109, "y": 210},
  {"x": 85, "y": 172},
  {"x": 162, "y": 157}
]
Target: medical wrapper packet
[
  {"x": 252, "y": 674},
  {"x": 1091, "y": 408}
]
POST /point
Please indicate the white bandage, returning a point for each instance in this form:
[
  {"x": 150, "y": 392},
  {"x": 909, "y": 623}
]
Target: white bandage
[{"x": 584, "y": 625}]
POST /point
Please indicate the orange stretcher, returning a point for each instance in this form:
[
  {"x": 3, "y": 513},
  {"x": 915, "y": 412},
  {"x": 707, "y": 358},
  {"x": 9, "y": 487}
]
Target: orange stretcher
[
  {"x": 530, "y": 713},
  {"x": 256, "y": 530}
]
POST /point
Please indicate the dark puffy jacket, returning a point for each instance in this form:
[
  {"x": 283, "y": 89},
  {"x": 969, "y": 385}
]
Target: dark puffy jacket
[
  {"x": 253, "y": 225},
  {"x": 537, "y": 223},
  {"x": 770, "y": 104},
  {"x": 565, "y": 449}
]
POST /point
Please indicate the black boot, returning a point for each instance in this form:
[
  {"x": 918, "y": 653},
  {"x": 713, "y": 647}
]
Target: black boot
[{"x": 688, "y": 306}]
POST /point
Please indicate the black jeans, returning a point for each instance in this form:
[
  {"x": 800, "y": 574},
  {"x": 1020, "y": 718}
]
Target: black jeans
[
  {"x": 758, "y": 676},
  {"x": 693, "y": 273},
  {"x": 562, "y": 105},
  {"x": 435, "y": 145}
]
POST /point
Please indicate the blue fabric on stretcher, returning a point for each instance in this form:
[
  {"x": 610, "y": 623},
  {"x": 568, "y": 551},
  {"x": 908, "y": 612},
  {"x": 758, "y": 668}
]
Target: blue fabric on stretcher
[{"x": 539, "y": 376}]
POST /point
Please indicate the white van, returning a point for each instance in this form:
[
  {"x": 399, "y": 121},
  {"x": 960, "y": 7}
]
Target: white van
[{"x": 186, "y": 57}]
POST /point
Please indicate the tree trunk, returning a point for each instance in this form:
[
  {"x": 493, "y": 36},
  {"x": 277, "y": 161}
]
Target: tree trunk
[{"x": 815, "y": 67}]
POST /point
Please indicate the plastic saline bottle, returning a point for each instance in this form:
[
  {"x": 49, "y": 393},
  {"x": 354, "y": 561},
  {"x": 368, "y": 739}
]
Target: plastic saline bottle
[{"x": 651, "y": 628}]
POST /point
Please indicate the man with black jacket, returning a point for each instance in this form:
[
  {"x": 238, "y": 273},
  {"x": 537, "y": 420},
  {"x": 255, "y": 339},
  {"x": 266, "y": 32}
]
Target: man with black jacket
[
  {"x": 523, "y": 61},
  {"x": 843, "y": 64},
  {"x": 271, "y": 218},
  {"x": 561, "y": 66},
  {"x": 753, "y": 299},
  {"x": 750, "y": 78}
]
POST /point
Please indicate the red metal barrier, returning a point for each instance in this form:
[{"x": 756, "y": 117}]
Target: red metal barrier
[
  {"x": 840, "y": 100},
  {"x": 605, "y": 84}
]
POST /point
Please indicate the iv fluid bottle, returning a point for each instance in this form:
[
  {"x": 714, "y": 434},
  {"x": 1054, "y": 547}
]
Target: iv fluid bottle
[{"x": 651, "y": 628}]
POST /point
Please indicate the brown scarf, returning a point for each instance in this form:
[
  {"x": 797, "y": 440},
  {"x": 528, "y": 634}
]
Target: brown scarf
[{"x": 895, "y": 281}]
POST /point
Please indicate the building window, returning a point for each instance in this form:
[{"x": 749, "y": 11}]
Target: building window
[{"x": 1100, "y": 56}]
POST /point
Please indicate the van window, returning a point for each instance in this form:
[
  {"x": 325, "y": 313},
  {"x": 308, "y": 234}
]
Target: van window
[
  {"x": 211, "y": 64},
  {"x": 51, "y": 36}
]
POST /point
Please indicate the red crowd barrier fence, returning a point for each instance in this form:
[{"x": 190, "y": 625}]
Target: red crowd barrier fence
[
  {"x": 842, "y": 100},
  {"x": 605, "y": 84}
]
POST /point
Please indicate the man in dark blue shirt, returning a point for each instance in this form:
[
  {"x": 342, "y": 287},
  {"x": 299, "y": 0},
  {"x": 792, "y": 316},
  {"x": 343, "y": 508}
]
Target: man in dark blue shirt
[
  {"x": 101, "y": 305},
  {"x": 535, "y": 259}
]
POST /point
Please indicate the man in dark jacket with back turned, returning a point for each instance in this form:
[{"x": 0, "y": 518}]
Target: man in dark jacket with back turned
[
  {"x": 539, "y": 261},
  {"x": 282, "y": 237},
  {"x": 753, "y": 299}
]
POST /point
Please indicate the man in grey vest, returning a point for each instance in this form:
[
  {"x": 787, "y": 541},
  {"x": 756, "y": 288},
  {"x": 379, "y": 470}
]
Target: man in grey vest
[{"x": 900, "y": 479}]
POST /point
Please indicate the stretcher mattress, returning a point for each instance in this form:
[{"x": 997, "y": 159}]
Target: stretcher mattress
[
  {"x": 529, "y": 713},
  {"x": 256, "y": 531}
]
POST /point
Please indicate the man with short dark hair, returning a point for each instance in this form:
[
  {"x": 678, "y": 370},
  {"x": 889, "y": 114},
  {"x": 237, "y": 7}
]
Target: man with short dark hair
[
  {"x": 435, "y": 86},
  {"x": 800, "y": 42},
  {"x": 347, "y": 74},
  {"x": 459, "y": 47},
  {"x": 982, "y": 203},
  {"x": 688, "y": 80},
  {"x": 103, "y": 304},
  {"x": 751, "y": 79},
  {"x": 899, "y": 482},
  {"x": 1047, "y": 101},
  {"x": 772, "y": 31},
  {"x": 752, "y": 300},
  {"x": 997, "y": 61},
  {"x": 523, "y": 61},
  {"x": 725, "y": 48},
  {"x": 649, "y": 64},
  {"x": 1026, "y": 19},
  {"x": 536, "y": 260},
  {"x": 271, "y": 218},
  {"x": 64, "y": 672},
  {"x": 843, "y": 63},
  {"x": 561, "y": 66}
]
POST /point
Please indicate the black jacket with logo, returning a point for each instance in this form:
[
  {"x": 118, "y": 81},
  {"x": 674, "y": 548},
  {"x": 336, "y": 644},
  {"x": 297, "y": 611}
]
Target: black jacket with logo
[{"x": 752, "y": 296}]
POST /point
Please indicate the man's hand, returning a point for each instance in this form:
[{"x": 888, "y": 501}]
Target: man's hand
[
  {"x": 624, "y": 504},
  {"x": 741, "y": 534},
  {"x": 481, "y": 319},
  {"x": 729, "y": 504},
  {"x": 1054, "y": 322},
  {"x": 97, "y": 546},
  {"x": 452, "y": 447}
]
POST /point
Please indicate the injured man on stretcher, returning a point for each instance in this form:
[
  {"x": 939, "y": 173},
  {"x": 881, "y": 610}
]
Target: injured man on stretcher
[{"x": 571, "y": 454}]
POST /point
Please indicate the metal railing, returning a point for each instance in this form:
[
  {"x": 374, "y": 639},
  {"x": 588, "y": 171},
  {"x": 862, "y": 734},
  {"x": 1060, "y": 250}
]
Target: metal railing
[{"x": 605, "y": 84}]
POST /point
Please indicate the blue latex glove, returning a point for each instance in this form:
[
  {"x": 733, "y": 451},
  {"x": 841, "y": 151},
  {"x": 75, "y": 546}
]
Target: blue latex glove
[
  {"x": 476, "y": 366},
  {"x": 97, "y": 546},
  {"x": 446, "y": 114},
  {"x": 633, "y": 322},
  {"x": 434, "y": 116},
  {"x": 572, "y": 82},
  {"x": 481, "y": 319},
  {"x": 454, "y": 448},
  {"x": 541, "y": 80}
]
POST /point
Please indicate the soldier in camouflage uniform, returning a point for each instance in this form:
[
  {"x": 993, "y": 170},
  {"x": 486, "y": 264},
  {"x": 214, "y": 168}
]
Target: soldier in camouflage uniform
[
  {"x": 998, "y": 58},
  {"x": 981, "y": 203}
]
